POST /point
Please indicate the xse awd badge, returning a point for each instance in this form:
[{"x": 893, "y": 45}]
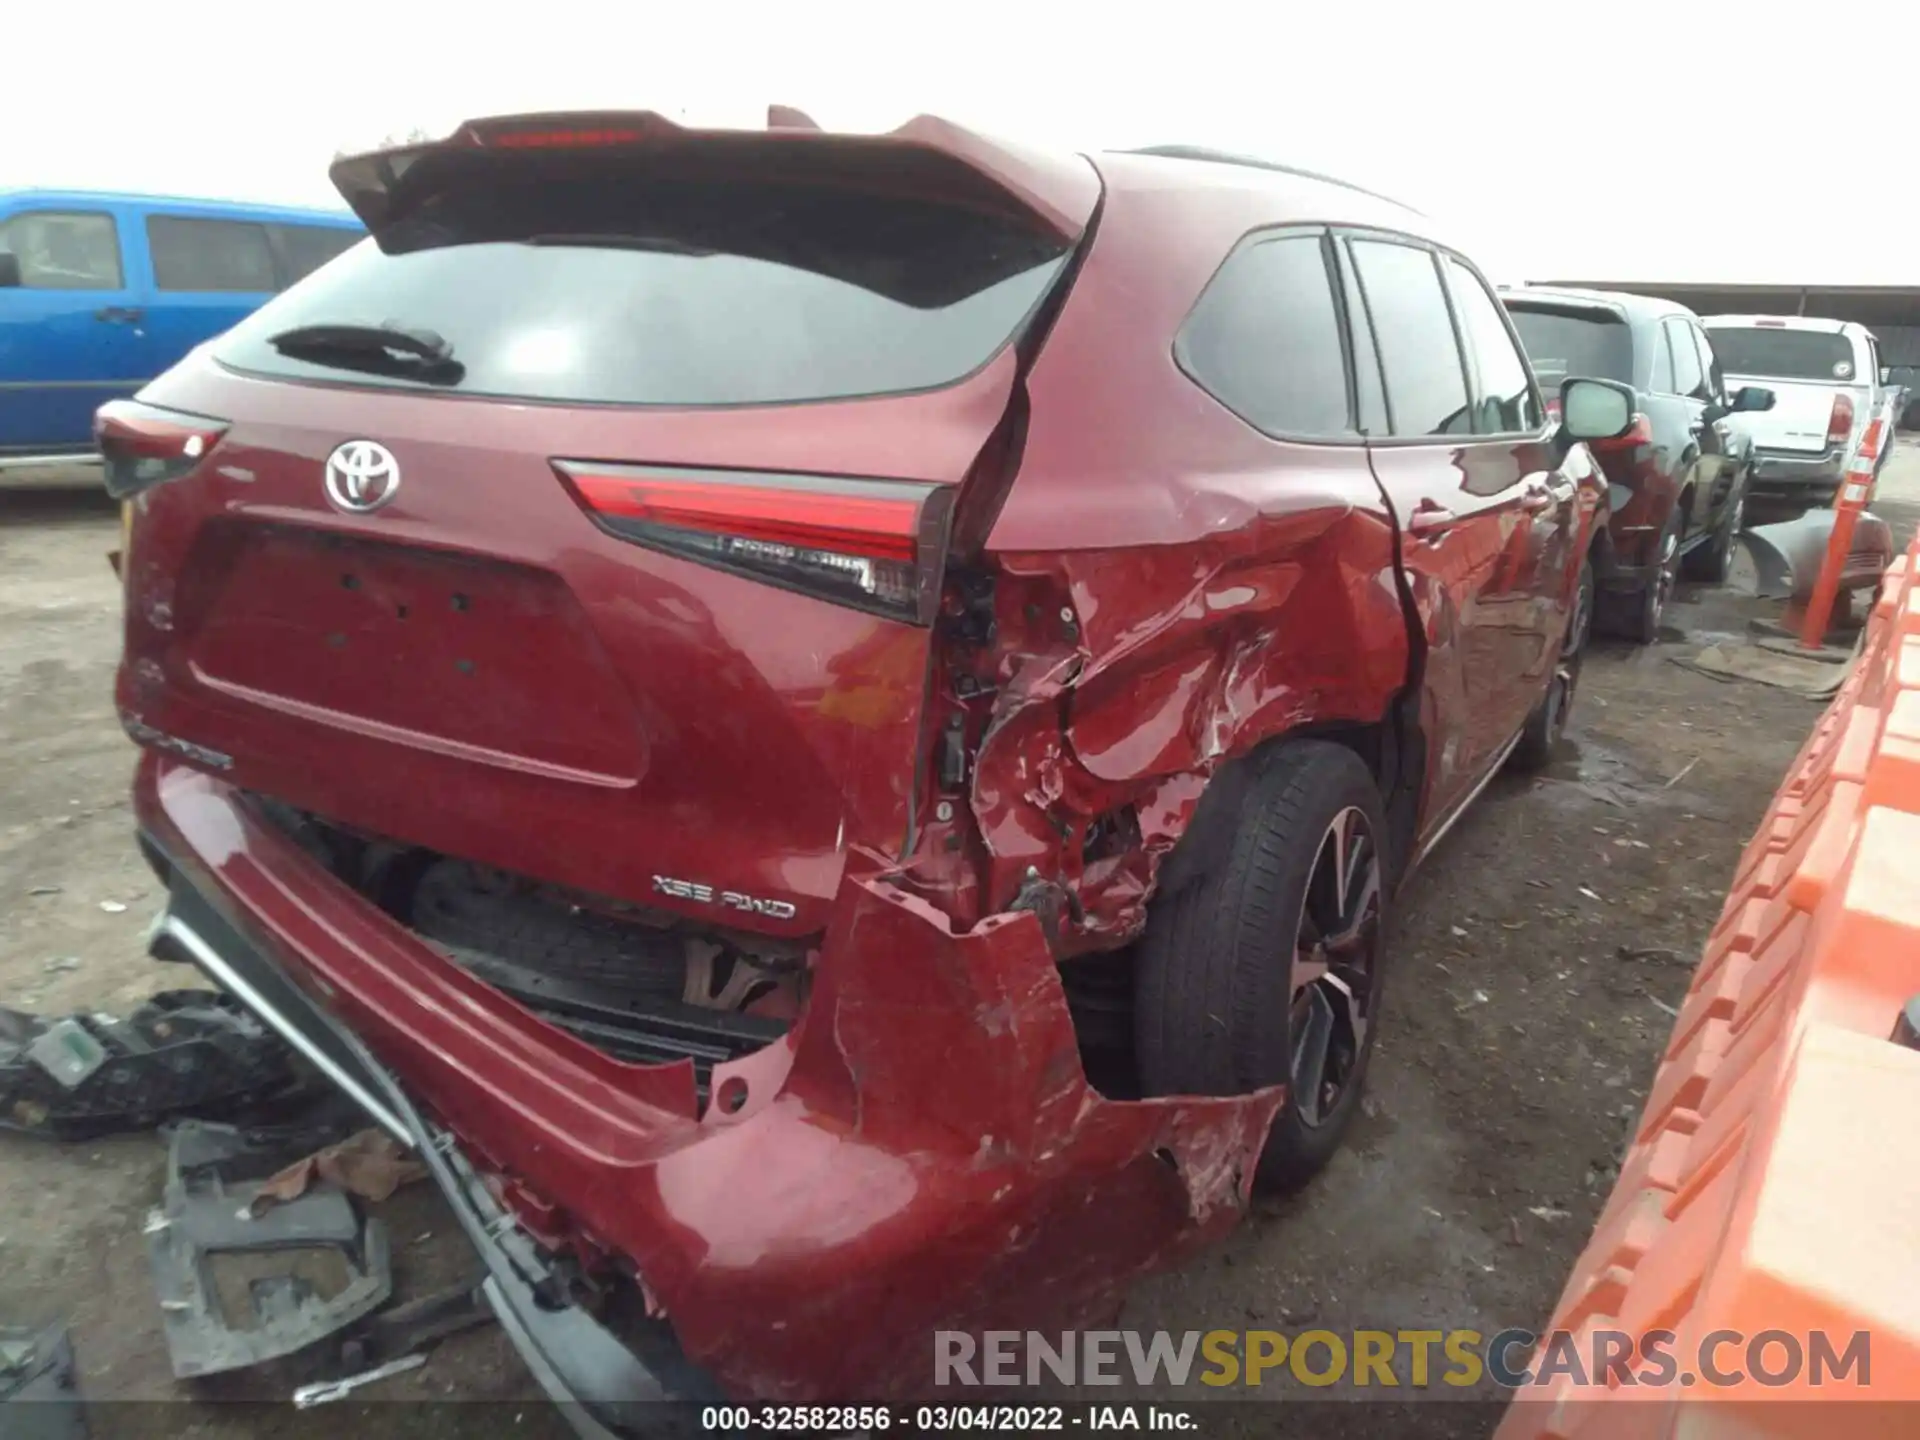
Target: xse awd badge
[{"x": 726, "y": 899}]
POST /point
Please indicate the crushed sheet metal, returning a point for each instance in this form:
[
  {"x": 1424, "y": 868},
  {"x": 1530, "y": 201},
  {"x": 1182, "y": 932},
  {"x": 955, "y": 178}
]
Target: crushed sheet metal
[{"x": 1178, "y": 666}]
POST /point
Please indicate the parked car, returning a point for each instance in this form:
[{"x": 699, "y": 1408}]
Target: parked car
[
  {"x": 1825, "y": 375},
  {"x": 1904, "y": 383},
  {"x": 710, "y": 679},
  {"x": 1679, "y": 478},
  {"x": 100, "y": 293}
]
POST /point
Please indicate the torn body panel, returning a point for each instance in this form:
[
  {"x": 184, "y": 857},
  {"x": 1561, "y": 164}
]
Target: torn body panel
[
  {"x": 922, "y": 1151},
  {"x": 1180, "y": 658}
]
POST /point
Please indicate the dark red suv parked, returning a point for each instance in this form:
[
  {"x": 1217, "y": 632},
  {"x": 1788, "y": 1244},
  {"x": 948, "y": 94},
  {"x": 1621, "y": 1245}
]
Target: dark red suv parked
[{"x": 714, "y": 679}]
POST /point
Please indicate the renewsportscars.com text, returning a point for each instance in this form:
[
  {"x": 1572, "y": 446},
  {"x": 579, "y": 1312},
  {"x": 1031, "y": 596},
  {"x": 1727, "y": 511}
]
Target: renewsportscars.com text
[{"x": 1400, "y": 1359}]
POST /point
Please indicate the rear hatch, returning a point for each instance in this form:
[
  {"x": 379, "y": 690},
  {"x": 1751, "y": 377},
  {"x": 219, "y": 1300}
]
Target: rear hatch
[
  {"x": 588, "y": 521},
  {"x": 1567, "y": 337},
  {"x": 1808, "y": 372}
]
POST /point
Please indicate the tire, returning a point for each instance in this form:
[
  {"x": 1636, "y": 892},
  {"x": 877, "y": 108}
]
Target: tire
[
  {"x": 1713, "y": 562},
  {"x": 1649, "y": 605},
  {"x": 1237, "y": 985},
  {"x": 1540, "y": 737}
]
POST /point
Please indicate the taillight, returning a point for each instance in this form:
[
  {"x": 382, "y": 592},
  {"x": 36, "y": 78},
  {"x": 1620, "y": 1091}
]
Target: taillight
[
  {"x": 144, "y": 446},
  {"x": 1840, "y": 421},
  {"x": 873, "y": 544}
]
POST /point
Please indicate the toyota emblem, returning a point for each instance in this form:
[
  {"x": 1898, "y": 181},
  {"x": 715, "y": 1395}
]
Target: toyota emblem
[{"x": 362, "y": 476}]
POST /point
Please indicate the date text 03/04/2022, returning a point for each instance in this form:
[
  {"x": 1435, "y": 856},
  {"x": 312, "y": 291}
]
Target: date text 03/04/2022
[{"x": 877, "y": 1419}]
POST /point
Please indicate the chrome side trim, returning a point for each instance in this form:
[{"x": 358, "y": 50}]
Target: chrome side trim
[
  {"x": 127, "y": 385},
  {"x": 89, "y": 459},
  {"x": 210, "y": 960},
  {"x": 1471, "y": 796}
]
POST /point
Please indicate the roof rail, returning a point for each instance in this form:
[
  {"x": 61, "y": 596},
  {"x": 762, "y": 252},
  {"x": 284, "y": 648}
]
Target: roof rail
[{"x": 1229, "y": 157}]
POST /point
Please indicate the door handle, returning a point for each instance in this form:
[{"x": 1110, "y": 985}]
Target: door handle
[
  {"x": 1428, "y": 519},
  {"x": 120, "y": 314}
]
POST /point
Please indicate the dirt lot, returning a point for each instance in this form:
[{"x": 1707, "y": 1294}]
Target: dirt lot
[{"x": 1539, "y": 958}]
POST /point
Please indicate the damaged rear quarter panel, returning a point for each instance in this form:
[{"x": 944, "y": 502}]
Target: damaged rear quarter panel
[{"x": 1186, "y": 657}]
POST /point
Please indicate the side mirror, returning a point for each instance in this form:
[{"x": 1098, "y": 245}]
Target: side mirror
[
  {"x": 9, "y": 270},
  {"x": 1749, "y": 400},
  {"x": 1595, "y": 409}
]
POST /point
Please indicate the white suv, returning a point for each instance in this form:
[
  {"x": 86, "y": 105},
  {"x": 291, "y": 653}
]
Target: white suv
[{"x": 1825, "y": 376}]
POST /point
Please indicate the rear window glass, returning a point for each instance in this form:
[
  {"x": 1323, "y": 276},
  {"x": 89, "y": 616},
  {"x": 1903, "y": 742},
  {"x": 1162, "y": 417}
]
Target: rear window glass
[
  {"x": 596, "y": 286},
  {"x": 1563, "y": 343},
  {"x": 1782, "y": 354}
]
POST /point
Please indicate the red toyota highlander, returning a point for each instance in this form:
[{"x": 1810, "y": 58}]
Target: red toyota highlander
[{"x": 827, "y": 723}]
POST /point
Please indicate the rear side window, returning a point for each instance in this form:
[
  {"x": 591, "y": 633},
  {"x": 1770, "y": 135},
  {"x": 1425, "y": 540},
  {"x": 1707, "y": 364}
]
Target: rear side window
[
  {"x": 1689, "y": 376},
  {"x": 1419, "y": 354},
  {"x": 1264, "y": 339},
  {"x": 1505, "y": 404},
  {"x": 1710, "y": 362},
  {"x": 1783, "y": 354},
  {"x": 305, "y": 248},
  {"x": 1595, "y": 344},
  {"x": 210, "y": 255},
  {"x": 586, "y": 282},
  {"x": 64, "y": 250},
  {"x": 1662, "y": 381}
]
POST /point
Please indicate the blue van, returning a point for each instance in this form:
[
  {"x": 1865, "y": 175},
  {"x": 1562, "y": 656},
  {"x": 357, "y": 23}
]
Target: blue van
[{"x": 100, "y": 293}]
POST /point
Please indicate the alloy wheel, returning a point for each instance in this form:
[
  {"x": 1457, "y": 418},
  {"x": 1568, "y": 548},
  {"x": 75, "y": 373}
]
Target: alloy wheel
[
  {"x": 1662, "y": 589},
  {"x": 1335, "y": 966}
]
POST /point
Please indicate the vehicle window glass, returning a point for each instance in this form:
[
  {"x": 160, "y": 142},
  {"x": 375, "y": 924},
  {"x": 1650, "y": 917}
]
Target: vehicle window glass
[
  {"x": 1370, "y": 392},
  {"x": 1662, "y": 381},
  {"x": 64, "y": 250},
  {"x": 1503, "y": 397},
  {"x": 1709, "y": 362},
  {"x": 1569, "y": 342},
  {"x": 1419, "y": 353},
  {"x": 1688, "y": 377},
  {"x": 594, "y": 280},
  {"x": 308, "y": 247},
  {"x": 1769, "y": 354},
  {"x": 1264, "y": 339},
  {"x": 210, "y": 255}
]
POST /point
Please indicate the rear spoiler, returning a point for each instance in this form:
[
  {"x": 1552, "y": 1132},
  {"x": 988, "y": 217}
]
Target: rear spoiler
[{"x": 926, "y": 155}]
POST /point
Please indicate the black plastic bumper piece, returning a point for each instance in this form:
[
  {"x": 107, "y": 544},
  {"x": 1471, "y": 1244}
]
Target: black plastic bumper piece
[{"x": 602, "y": 1385}]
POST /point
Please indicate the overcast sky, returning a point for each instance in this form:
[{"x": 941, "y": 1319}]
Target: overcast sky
[{"x": 1563, "y": 138}]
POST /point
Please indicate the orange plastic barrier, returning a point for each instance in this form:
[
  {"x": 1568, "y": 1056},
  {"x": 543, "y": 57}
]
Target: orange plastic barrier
[
  {"x": 1848, "y": 506},
  {"x": 1773, "y": 1184}
]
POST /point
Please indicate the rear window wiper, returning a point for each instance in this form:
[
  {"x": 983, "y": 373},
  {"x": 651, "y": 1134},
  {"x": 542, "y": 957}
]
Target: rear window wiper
[{"x": 386, "y": 347}]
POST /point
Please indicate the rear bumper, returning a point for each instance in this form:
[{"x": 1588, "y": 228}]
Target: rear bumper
[
  {"x": 599, "y": 1380},
  {"x": 1791, "y": 475},
  {"x": 921, "y": 1153}
]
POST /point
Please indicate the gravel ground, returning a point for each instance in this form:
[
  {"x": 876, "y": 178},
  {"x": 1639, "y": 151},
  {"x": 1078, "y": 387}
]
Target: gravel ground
[{"x": 1538, "y": 959}]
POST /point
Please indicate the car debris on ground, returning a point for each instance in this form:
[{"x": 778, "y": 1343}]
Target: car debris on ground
[
  {"x": 208, "y": 1211},
  {"x": 79, "y": 1076},
  {"x": 39, "y": 1386}
]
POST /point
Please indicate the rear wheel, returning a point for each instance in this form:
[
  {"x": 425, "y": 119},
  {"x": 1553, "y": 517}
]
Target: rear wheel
[
  {"x": 1548, "y": 722},
  {"x": 1713, "y": 561},
  {"x": 1650, "y": 606},
  {"x": 1265, "y": 967}
]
